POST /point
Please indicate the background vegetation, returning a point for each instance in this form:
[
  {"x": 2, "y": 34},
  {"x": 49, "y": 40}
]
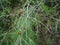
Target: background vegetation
[{"x": 29, "y": 22}]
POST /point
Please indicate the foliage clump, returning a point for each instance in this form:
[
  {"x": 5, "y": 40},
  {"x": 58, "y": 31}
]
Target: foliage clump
[{"x": 29, "y": 22}]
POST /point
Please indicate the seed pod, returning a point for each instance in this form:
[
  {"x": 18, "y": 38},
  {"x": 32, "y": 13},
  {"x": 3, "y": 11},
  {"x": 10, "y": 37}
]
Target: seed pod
[
  {"x": 19, "y": 33},
  {"x": 27, "y": 5},
  {"x": 24, "y": 28},
  {"x": 21, "y": 11}
]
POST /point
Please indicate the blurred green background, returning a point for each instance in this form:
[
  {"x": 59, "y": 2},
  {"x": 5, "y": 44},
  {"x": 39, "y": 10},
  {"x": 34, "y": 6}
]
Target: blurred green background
[{"x": 29, "y": 22}]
